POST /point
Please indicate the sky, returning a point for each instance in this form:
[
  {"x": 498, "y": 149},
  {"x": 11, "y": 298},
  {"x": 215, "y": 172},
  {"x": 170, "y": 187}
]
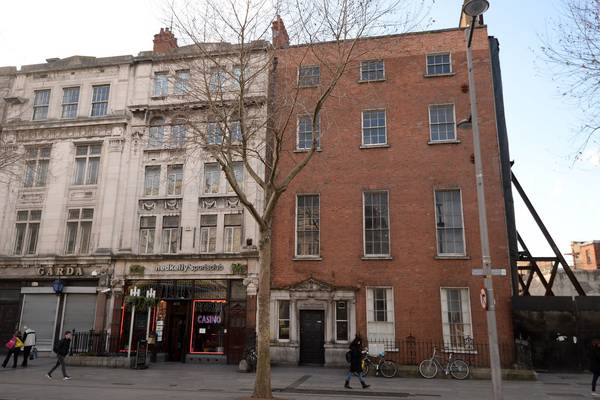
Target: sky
[{"x": 542, "y": 124}]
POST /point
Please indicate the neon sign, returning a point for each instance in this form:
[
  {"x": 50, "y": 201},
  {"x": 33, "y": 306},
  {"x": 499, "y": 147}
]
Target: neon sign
[{"x": 209, "y": 319}]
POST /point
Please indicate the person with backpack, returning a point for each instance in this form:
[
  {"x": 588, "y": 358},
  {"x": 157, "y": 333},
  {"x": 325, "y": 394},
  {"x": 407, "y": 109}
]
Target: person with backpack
[
  {"x": 354, "y": 357},
  {"x": 14, "y": 346},
  {"x": 62, "y": 350},
  {"x": 28, "y": 342}
]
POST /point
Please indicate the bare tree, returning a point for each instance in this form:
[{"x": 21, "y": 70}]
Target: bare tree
[
  {"x": 574, "y": 52},
  {"x": 236, "y": 80},
  {"x": 10, "y": 158}
]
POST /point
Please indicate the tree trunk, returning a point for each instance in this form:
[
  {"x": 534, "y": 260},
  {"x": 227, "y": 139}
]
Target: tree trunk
[{"x": 262, "y": 386}]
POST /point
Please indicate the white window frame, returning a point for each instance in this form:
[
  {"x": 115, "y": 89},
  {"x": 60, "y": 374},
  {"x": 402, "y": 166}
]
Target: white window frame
[
  {"x": 296, "y": 255},
  {"x": 37, "y": 171},
  {"x": 27, "y": 233},
  {"x": 181, "y": 86},
  {"x": 218, "y": 174},
  {"x": 347, "y": 302},
  {"x": 289, "y": 320},
  {"x": 368, "y": 61},
  {"x": 299, "y": 83},
  {"x": 431, "y": 140},
  {"x": 86, "y": 170},
  {"x": 229, "y": 233},
  {"x": 365, "y": 255},
  {"x": 362, "y": 132},
  {"x": 435, "y": 214},
  {"x": 390, "y": 314},
  {"x": 170, "y": 231},
  {"x": 147, "y": 250},
  {"x": 161, "y": 84},
  {"x": 309, "y": 116},
  {"x": 158, "y": 125},
  {"x": 155, "y": 187},
  {"x": 205, "y": 249},
  {"x": 78, "y": 233},
  {"x": 446, "y": 324},
  {"x": 76, "y": 104},
  {"x": 172, "y": 191},
  {"x": 439, "y": 53},
  {"x": 100, "y": 102},
  {"x": 37, "y": 107}
]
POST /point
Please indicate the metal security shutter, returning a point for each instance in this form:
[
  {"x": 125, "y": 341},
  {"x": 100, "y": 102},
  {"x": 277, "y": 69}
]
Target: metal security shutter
[
  {"x": 39, "y": 314},
  {"x": 80, "y": 312}
]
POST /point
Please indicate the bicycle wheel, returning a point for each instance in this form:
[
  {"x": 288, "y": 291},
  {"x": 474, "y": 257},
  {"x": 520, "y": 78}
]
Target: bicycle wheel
[
  {"x": 365, "y": 368},
  {"x": 428, "y": 369},
  {"x": 459, "y": 369},
  {"x": 388, "y": 369}
]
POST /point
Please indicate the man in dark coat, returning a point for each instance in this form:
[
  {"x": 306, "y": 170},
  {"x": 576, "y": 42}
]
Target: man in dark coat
[
  {"x": 61, "y": 349},
  {"x": 595, "y": 365},
  {"x": 355, "y": 363}
]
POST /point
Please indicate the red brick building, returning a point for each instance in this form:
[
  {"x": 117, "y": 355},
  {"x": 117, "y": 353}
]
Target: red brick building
[
  {"x": 586, "y": 255},
  {"x": 379, "y": 234}
]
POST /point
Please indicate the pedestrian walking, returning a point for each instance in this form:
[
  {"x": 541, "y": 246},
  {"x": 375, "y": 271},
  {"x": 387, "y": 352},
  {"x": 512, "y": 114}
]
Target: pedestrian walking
[
  {"x": 28, "y": 342},
  {"x": 61, "y": 349},
  {"x": 595, "y": 365},
  {"x": 14, "y": 346},
  {"x": 355, "y": 358}
]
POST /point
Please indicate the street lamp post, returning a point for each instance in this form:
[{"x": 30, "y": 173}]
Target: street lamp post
[{"x": 474, "y": 8}]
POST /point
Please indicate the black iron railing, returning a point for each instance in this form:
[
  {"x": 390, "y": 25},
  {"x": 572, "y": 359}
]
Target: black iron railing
[{"x": 94, "y": 343}]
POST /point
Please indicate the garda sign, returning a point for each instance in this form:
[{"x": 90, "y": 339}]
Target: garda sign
[
  {"x": 60, "y": 271},
  {"x": 190, "y": 268}
]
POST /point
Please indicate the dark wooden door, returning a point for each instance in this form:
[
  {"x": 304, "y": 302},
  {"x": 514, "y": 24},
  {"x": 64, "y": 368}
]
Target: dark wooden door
[
  {"x": 178, "y": 335},
  {"x": 236, "y": 331},
  {"x": 312, "y": 337}
]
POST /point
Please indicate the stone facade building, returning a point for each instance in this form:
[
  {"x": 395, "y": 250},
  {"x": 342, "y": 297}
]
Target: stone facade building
[
  {"x": 379, "y": 234},
  {"x": 109, "y": 198}
]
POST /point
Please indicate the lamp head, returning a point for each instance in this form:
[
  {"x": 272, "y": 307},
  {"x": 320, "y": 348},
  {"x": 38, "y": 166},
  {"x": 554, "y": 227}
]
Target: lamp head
[
  {"x": 466, "y": 123},
  {"x": 474, "y": 8}
]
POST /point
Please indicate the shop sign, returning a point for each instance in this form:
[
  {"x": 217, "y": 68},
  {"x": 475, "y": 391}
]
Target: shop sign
[
  {"x": 190, "y": 268},
  {"x": 209, "y": 319},
  {"x": 60, "y": 271}
]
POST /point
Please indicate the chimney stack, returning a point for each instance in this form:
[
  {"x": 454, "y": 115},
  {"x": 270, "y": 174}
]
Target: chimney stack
[
  {"x": 280, "y": 35},
  {"x": 164, "y": 41}
]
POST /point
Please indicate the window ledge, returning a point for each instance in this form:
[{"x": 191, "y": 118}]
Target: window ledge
[
  {"x": 374, "y": 146},
  {"x": 371, "y": 80},
  {"x": 209, "y": 195},
  {"x": 84, "y": 186},
  {"x": 376, "y": 258},
  {"x": 308, "y": 86},
  {"x": 300, "y": 258},
  {"x": 452, "y": 257},
  {"x": 161, "y": 97},
  {"x": 438, "y": 75},
  {"x": 454, "y": 141},
  {"x": 307, "y": 150}
]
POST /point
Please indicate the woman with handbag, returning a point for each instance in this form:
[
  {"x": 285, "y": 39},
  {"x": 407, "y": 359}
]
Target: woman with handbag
[{"x": 14, "y": 346}]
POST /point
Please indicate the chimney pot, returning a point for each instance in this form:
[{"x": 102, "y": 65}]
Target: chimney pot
[
  {"x": 164, "y": 41},
  {"x": 280, "y": 36}
]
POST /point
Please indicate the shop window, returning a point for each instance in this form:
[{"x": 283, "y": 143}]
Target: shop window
[
  {"x": 283, "y": 316},
  {"x": 232, "y": 238},
  {"x": 208, "y": 327},
  {"x": 341, "y": 321},
  {"x": 208, "y": 233}
]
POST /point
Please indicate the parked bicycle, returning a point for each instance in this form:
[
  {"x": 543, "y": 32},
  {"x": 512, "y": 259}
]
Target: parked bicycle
[
  {"x": 456, "y": 367},
  {"x": 383, "y": 367}
]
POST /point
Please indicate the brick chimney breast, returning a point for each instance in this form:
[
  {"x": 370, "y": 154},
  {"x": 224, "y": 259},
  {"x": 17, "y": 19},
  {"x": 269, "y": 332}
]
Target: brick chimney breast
[
  {"x": 164, "y": 41},
  {"x": 279, "y": 34}
]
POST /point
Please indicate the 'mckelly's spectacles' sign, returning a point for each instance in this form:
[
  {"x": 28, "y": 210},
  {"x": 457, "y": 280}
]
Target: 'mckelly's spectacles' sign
[{"x": 190, "y": 268}]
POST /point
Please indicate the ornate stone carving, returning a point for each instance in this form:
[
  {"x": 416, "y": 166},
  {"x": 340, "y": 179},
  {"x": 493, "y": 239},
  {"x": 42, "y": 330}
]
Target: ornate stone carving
[
  {"x": 171, "y": 204},
  {"x": 209, "y": 203},
  {"x": 148, "y": 205},
  {"x": 311, "y": 284},
  {"x": 116, "y": 144},
  {"x": 233, "y": 202}
]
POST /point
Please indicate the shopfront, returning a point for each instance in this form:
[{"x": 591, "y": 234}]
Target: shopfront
[
  {"x": 188, "y": 320},
  {"x": 51, "y": 298}
]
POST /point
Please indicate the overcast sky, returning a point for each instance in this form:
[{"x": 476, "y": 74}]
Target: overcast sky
[{"x": 542, "y": 125}]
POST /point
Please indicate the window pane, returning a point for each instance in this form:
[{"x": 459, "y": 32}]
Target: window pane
[
  {"x": 371, "y": 70},
  {"x": 33, "y": 237},
  {"x": 449, "y": 222},
  {"x": 20, "y": 238},
  {"x": 92, "y": 176},
  {"x": 174, "y": 179},
  {"x": 307, "y": 225},
  {"x": 374, "y": 128},
  {"x": 42, "y": 173},
  {"x": 178, "y": 134},
  {"x": 73, "y": 214},
  {"x": 152, "y": 181},
  {"x": 214, "y": 134},
  {"x": 284, "y": 319},
  {"x": 376, "y": 223},
  {"x": 305, "y": 133},
  {"x": 161, "y": 85},
  {"x": 79, "y": 171},
  {"x": 181, "y": 81},
  {"x": 309, "y": 76},
  {"x": 30, "y": 167},
  {"x": 87, "y": 213},
  {"x": 212, "y": 173},
  {"x": 86, "y": 230},
  {"x": 71, "y": 237}
]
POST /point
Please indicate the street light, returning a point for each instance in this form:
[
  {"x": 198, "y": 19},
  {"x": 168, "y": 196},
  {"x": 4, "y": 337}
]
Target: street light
[{"x": 474, "y": 8}]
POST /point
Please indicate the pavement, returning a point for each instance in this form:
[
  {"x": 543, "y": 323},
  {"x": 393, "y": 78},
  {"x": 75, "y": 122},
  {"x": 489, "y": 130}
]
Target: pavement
[{"x": 214, "y": 382}]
